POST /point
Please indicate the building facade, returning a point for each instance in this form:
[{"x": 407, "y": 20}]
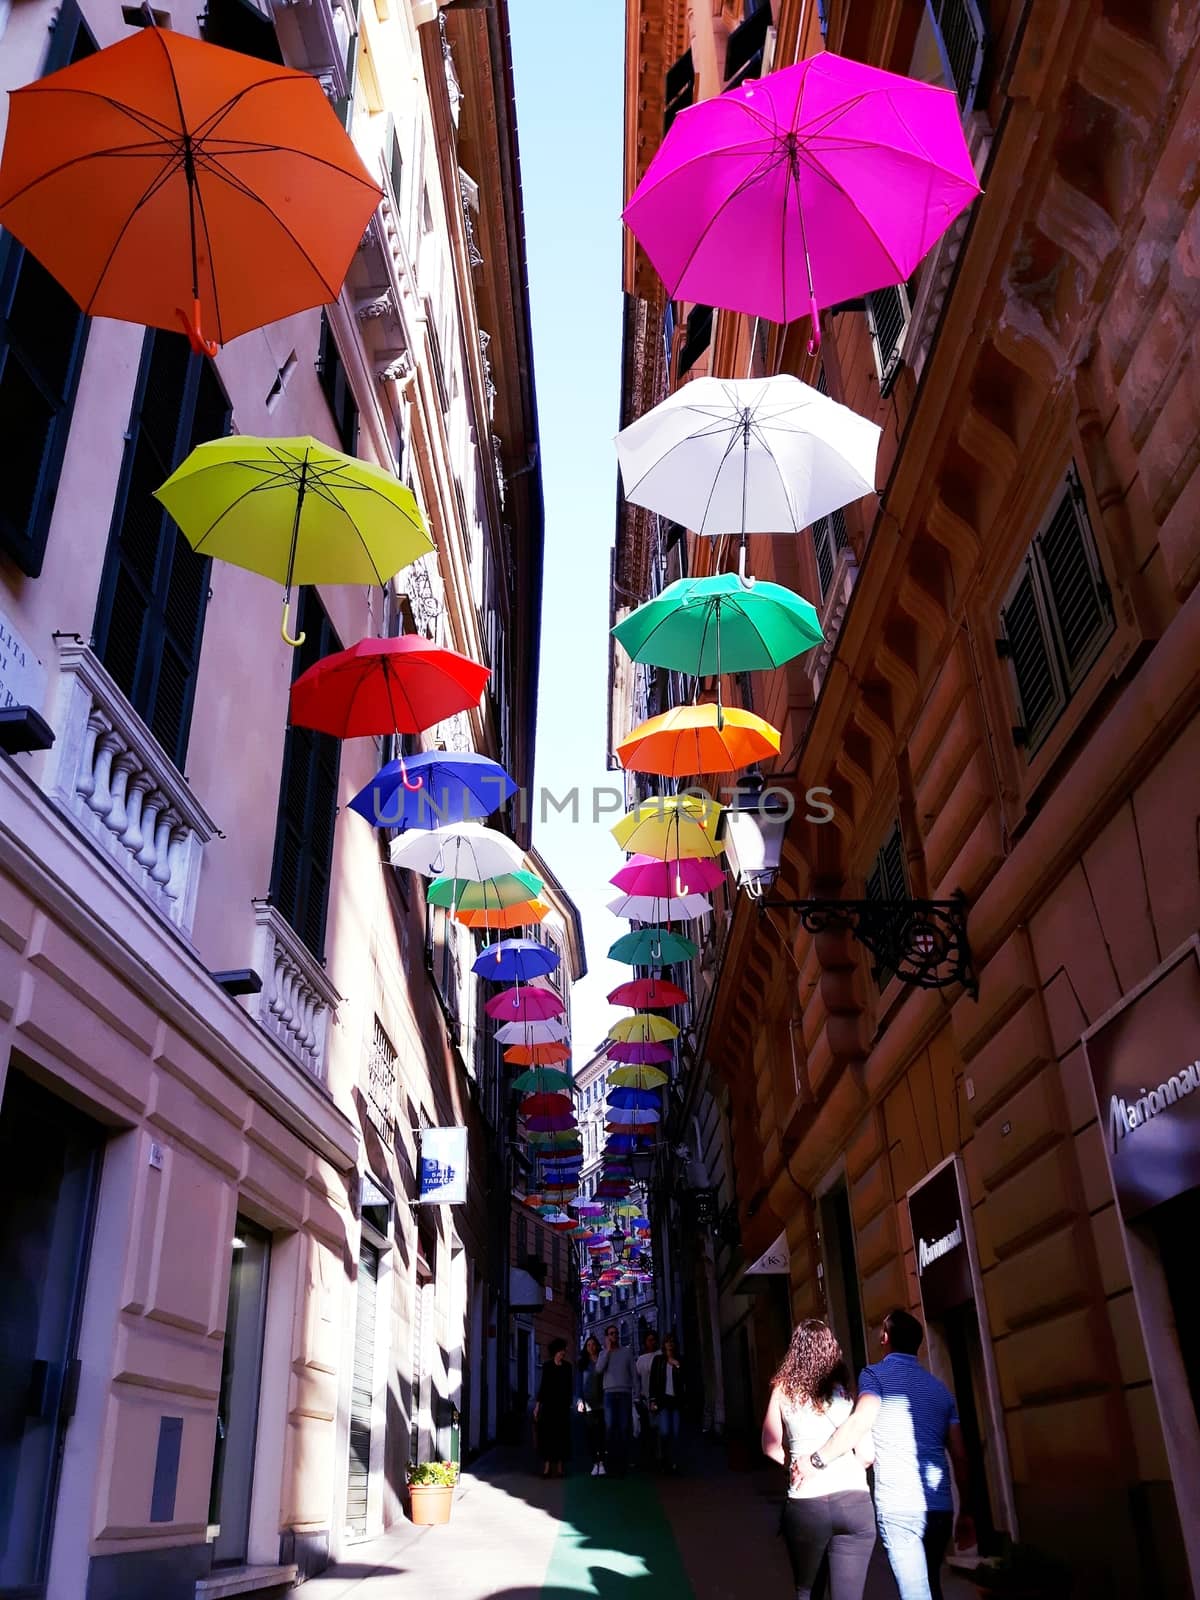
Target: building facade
[
  {"x": 223, "y": 1019},
  {"x": 1005, "y": 705}
]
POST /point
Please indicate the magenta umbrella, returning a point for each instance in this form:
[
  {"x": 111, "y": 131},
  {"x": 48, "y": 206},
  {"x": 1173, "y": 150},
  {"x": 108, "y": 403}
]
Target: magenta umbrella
[
  {"x": 690, "y": 875},
  {"x": 637, "y": 1053},
  {"x": 524, "y": 1005},
  {"x": 813, "y": 185}
]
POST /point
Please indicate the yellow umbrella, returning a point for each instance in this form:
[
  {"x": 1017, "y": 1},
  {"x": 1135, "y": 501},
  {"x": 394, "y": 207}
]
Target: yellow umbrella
[
  {"x": 670, "y": 827},
  {"x": 637, "y": 1078},
  {"x": 643, "y": 1028},
  {"x": 296, "y": 511}
]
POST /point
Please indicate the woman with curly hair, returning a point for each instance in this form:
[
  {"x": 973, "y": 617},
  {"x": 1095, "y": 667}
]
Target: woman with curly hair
[{"x": 829, "y": 1511}]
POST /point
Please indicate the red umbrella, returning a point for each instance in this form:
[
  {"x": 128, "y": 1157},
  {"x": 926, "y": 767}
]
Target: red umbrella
[
  {"x": 546, "y": 1105},
  {"x": 648, "y": 994},
  {"x": 526, "y": 1004},
  {"x": 386, "y": 686},
  {"x": 553, "y": 1124}
]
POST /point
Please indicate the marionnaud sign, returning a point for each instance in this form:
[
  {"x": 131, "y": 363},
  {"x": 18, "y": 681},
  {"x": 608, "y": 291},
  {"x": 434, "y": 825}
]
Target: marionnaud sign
[
  {"x": 776, "y": 1259},
  {"x": 443, "y": 1171},
  {"x": 22, "y": 676},
  {"x": 939, "y": 1224},
  {"x": 1144, "y": 1059}
]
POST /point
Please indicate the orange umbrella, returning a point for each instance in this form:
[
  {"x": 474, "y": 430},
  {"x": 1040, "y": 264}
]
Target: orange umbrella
[
  {"x": 167, "y": 181},
  {"x": 518, "y": 916},
  {"x": 537, "y": 1055},
  {"x": 702, "y": 738}
]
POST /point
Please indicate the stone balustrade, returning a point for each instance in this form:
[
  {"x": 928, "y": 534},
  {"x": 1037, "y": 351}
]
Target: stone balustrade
[{"x": 297, "y": 1001}]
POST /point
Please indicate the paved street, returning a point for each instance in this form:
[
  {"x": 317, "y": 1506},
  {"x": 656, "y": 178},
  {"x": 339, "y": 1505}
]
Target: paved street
[{"x": 709, "y": 1535}]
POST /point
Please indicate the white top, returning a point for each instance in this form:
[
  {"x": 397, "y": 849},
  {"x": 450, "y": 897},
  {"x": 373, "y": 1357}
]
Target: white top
[
  {"x": 670, "y": 1380},
  {"x": 805, "y": 1430},
  {"x": 644, "y": 1362}
]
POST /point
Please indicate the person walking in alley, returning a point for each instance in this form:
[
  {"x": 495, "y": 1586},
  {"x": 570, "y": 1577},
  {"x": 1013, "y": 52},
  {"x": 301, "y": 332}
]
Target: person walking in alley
[
  {"x": 828, "y": 1513},
  {"x": 552, "y": 1411},
  {"x": 615, "y": 1366},
  {"x": 912, "y": 1418},
  {"x": 666, "y": 1401},
  {"x": 647, "y": 1437},
  {"x": 591, "y": 1404}
]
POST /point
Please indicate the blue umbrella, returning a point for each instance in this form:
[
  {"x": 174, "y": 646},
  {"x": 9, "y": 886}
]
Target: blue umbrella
[
  {"x": 634, "y": 1099},
  {"x": 515, "y": 961},
  {"x": 432, "y": 789}
]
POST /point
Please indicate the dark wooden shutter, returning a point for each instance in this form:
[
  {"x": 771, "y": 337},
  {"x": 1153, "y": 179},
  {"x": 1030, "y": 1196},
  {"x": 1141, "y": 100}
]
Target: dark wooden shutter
[
  {"x": 336, "y": 385},
  {"x": 698, "y": 337},
  {"x": 829, "y": 539},
  {"x": 362, "y": 1392},
  {"x": 43, "y": 334},
  {"x": 238, "y": 25},
  {"x": 888, "y": 878},
  {"x": 745, "y": 46},
  {"x": 1079, "y": 603},
  {"x": 307, "y": 799},
  {"x": 964, "y": 40},
  {"x": 888, "y": 309},
  {"x": 154, "y": 590},
  {"x": 1026, "y": 642},
  {"x": 680, "y": 88}
]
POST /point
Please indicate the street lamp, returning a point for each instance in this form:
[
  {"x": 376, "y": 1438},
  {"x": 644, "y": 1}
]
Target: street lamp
[
  {"x": 753, "y": 826},
  {"x": 641, "y": 1163}
]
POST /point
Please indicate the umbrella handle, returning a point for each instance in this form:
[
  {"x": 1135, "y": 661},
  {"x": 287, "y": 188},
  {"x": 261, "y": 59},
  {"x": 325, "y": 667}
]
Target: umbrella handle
[
  {"x": 744, "y": 579},
  {"x": 283, "y": 628},
  {"x": 191, "y": 326},
  {"x": 404, "y": 778},
  {"x": 814, "y": 344}
]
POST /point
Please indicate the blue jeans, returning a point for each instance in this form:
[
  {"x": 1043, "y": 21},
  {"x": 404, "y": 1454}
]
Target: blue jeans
[
  {"x": 618, "y": 1426},
  {"x": 667, "y": 1420},
  {"x": 916, "y": 1542}
]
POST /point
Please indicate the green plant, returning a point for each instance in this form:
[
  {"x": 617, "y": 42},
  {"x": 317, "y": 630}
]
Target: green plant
[
  {"x": 1022, "y": 1570},
  {"x": 440, "y": 1474}
]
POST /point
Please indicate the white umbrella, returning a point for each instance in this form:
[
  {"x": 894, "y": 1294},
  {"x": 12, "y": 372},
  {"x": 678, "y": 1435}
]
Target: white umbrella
[
  {"x": 653, "y": 908},
  {"x": 747, "y": 455},
  {"x": 466, "y": 850},
  {"x": 552, "y": 1032}
]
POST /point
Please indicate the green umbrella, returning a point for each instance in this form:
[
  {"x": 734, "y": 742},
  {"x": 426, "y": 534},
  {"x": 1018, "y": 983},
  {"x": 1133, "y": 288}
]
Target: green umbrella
[
  {"x": 653, "y": 947},
  {"x": 485, "y": 894},
  {"x": 544, "y": 1080},
  {"x": 713, "y": 625}
]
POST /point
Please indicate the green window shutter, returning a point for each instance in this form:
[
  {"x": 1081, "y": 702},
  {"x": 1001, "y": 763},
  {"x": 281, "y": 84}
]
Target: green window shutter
[
  {"x": 1079, "y": 606},
  {"x": 1026, "y": 643}
]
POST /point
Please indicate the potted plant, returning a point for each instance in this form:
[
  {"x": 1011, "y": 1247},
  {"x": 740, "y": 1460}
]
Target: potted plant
[
  {"x": 431, "y": 1490},
  {"x": 1022, "y": 1573}
]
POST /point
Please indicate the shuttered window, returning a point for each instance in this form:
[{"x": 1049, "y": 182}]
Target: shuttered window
[
  {"x": 307, "y": 799},
  {"x": 698, "y": 337},
  {"x": 240, "y": 25},
  {"x": 331, "y": 370},
  {"x": 888, "y": 880},
  {"x": 887, "y": 318},
  {"x": 829, "y": 539},
  {"x": 154, "y": 588},
  {"x": 744, "y": 50},
  {"x": 42, "y": 338},
  {"x": 681, "y": 88},
  {"x": 362, "y": 1392},
  {"x": 963, "y": 40},
  {"x": 1056, "y": 618}
]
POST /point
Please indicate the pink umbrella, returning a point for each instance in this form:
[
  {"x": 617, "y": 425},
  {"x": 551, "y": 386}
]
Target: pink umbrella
[
  {"x": 645, "y": 875},
  {"x": 524, "y": 1005},
  {"x": 639, "y": 1054},
  {"x": 813, "y": 185},
  {"x": 648, "y": 994}
]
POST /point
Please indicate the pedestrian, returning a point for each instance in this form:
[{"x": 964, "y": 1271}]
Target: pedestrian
[
  {"x": 591, "y": 1404},
  {"x": 828, "y": 1514},
  {"x": 552, "y": 1411},
  {"x": 615, "y": 1365},
  {"x": 645, "y": 1426},
  {"x": 666, "y": 1401},
  {"x": 913, "y": 1420}
]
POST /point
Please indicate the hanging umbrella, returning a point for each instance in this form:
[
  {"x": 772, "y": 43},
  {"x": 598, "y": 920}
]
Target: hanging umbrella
[
  {"x": 522, "y": 916},
  {"x": 549, "y": 1032},
  {"x": 656, "y": 908},
  {"x": 551, "y": 1141},
  {"x": 634, "y": 1099},
  {"x": 168, "y": 182},
  {"x": 402, "y": 685},
  {"x": 698, "y": 738},
  {"x": 637, "y": 1078},
  {"x": 645, "y": 875},
  {"x": 543, "y": 1080},
  {"x": 622, "y": 1121},
  {"x": 536, "y": 1055},
  {"x": 703, "y": 626},
  {"x": 431, "y": 789},
  {"x": 630, "y": 1144},
  {"x": 297, "y": 511},
  {"x": 466, "y": 850},
  {"x": 509, "y": 888},
  {"x": 551, "y": 1124},
  {"x": 669, "y": 827},
  {"x": 814, "y": 185},
  {"x": 515, "y": 961},
  {"x": 648, "y": 994},
  {"x": 643, "y": 1028},
  {"x": 528, "y": 1004},
  {"x": 640, "y": 1055},
  {"x": 652, "y": 947}
]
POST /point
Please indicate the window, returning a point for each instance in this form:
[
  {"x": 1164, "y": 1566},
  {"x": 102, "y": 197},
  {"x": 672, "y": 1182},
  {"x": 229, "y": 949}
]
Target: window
[
  {"x": 522, "y": 1238},
  {"x": 747, "y": 42},
  {"x": 887, "y": 318},
  {"x": 829, "y": 540},
  {"x": 345, "y": 27},
  {"x": 698, "y": 337},
  {"x": 962, "y": 40},
  {"x": 1056, "y": 618},
  {"x": 681, "y": 88},
  {"x": 42, "y": 338},
  {"x": 555, "y": 1259},
  {"x": 240, "y": 25},
  {"x": 307, "y": 799},
  {"x": 331, "y": 371},
  {"x": 154, "y": 588},
  {"x": 888, "y": 880}
]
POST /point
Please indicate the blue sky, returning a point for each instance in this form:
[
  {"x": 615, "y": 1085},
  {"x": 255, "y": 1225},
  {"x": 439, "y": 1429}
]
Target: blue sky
[{"x": 569, "y": 120}]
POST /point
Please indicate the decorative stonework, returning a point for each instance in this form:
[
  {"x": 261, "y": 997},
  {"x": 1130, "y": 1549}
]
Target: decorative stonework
[
  {"x": 109, "y": 772},
  {"x": 297, "y": 1001}
]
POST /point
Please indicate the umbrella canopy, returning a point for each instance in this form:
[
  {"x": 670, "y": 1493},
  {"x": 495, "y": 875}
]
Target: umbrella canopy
[
  {"x": 637, "y": 1078},
  {"x": 551, "y": 1124},
  {"x": 166, "y": 181},
  {"x": 643, "y": 1028},
  {"x": 630, "y": 1144},
  {"x": 515, "y": 961},
  {"x": 431, "y": 789},
  {"x": 379, "y": 686},
  {"x": 549, "y": 1032},
  {"x": 811, "y": 186},
  {"x": 545, "y": 1105},
  {"x": 536, "y": 1055},
  {"x": 640, "y": 1055},
  {"x": 703, "y": 626},
  {"x": 466, "y": 850},
  {"x": 645, "y": 875},
  {"x": 700, "y": 738},
  {"x": 508, "y": 889},
  {"x": 543, "y": 1080},
  {"x": 634, "y": 1099},
  {"x": 669, "y": 827},
  {"x": 656, "y": 908},
  {"x": 552, "y": 1141},
  {"x": 297, "y": 511},
  {"x": 527, "y": 1004},
  {"x": 648, "y": 994},
  {"x": 652, "y": 947},
  {"x": 522, "y": 916},
  {"x": 619, "y": 1121}
]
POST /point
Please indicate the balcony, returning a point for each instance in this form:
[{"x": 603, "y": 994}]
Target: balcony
[
  {"x": 109, "y": 773},
  {"x": 297, "y": 1001}
]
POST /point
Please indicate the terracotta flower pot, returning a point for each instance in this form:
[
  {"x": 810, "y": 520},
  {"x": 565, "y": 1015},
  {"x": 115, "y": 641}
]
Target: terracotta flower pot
[{"x": 430, "y": 1502}]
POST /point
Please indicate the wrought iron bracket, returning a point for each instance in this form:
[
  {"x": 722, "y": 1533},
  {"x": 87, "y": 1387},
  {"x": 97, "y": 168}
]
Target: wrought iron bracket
[{"x": 921, "y": 942}]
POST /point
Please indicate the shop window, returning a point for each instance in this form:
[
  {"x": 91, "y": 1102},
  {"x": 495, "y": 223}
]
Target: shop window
[
  {"x": 331, "y": 370},
  {"x": 1056, "y": 617},
  {"x": 154, "y": 588},
  {"x": 681, "y": 88},
  {"x": 888, "y": 311},
  {"x": 307, "y": 798},
  {"x": 697, "y": 337},
  {"x": 42, "y": 338},
  {"x": 829, "y": 540},
  {"x": 746, "y": 45},
  {"x": 240, "y": 25}
]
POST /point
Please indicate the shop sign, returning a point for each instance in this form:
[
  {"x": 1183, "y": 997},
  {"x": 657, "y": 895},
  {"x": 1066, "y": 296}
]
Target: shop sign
[
  {"x": 22, "y": 676},
  {"x": 1144, "y": 1058},
  {"x": 939, "y": 1229},
  {"x": 443, "y": 1170},
  {"x": 774, "y": 1260}
]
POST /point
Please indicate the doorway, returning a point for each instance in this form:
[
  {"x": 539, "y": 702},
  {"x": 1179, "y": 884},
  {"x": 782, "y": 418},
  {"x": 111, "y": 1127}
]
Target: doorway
[
  {"x": 1174, "y": 1228},
  {"x": 237, "y": 1409},
  {"x": 960, "y": 1335},
  {"x": 49, "y": 1170},
  {"x": 841, "y": 1275},
  {"x": 362, "y": 1389}
]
